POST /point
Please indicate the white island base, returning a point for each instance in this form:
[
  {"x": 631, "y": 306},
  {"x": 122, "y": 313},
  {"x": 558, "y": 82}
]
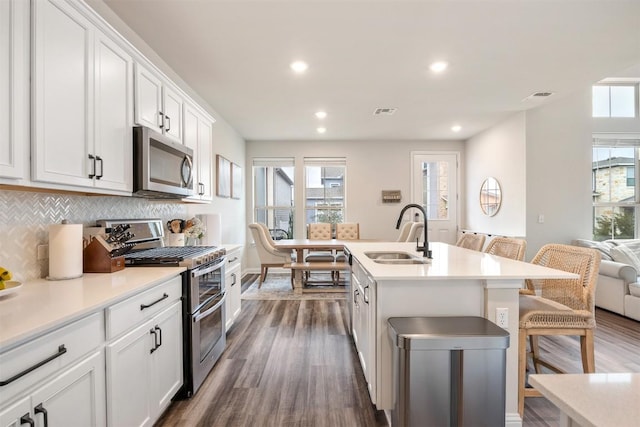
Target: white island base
[{"x": 458, "y": 282}]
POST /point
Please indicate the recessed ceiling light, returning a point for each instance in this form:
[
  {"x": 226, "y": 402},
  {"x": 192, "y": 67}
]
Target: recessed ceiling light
[
  {"x": 299, "y": 66},
  {"x": 456, "y": 128},
  {"x": 321, "y": 114},
  {"x": 438, "y": 67},
  {"x": 321, "y": 130}
]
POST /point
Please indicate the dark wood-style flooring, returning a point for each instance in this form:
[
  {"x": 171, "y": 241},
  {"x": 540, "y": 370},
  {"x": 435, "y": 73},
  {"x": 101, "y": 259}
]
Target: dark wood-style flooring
[{"x": 292, "y": 363}]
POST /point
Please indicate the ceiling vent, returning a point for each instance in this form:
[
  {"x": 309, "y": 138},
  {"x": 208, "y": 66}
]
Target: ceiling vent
[
  {"x": 384, "y": 111},
  {"x": 538, "y": 95}
]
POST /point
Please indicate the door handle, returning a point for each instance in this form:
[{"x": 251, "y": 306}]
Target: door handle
[
  {"x": 161, "y": 117},
  {"x": 92, "y": 159},
  {"x": 153, "y": 332},
  {"x": 40, "y": 410},
  {"x": 61, "y": 350},
  {"x": 163, "y": 297},
  {"x": 169, "y": 123},
  {"x": 99, "y": 159},
  {"x": 26, "y": 419}
]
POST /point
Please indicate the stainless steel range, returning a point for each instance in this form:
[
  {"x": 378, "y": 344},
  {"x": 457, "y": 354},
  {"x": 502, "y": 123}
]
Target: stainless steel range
[{"x": 203, "y": 291}]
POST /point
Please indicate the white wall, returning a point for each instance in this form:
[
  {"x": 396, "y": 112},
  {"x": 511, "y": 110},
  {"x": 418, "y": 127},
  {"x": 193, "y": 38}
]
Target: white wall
[
  {"x": 558, "y": 167},
  {"x": 372, "y": 166},
  {"x": 498, "y": 152}
]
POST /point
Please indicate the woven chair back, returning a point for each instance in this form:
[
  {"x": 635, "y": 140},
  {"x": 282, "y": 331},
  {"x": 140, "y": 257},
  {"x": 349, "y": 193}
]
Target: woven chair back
[{"x": 507, "y": 247}]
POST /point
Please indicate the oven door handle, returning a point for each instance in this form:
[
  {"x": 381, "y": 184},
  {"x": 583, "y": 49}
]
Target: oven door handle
[
  {"x": 204, "y": 270},
  {"x": 198, "y": 317}
]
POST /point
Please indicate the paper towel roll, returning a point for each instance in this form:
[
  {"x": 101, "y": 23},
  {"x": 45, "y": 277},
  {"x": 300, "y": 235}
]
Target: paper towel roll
[
  {"x": 65, "y": 251},
  {"x": 213, "y": 235}
]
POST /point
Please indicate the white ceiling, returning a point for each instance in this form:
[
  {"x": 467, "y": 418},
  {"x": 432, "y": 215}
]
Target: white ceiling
[{"x": 363, "y": 55}]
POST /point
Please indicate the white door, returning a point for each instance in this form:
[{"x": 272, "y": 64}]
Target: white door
[
  {"x": 167, "y": 358},
  {"x": 148, "y": 99},
  {"x": 75, "y": 398},
  {"x": 172, "y": 105},
  {"x": 205, "y": 159},
  {"x": 14, "y": 87},
  {"x": 63, "y": 97},
  {"x": 113, "y": 115},
  {"x": 435, "y": 187}
]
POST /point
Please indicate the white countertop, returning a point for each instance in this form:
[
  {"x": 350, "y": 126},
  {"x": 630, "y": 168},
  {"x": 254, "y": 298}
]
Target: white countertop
[
  {"x": 596, "y": 400},
  {"x": 41, "y": 305},
  {"x": 448, "y": 263}
]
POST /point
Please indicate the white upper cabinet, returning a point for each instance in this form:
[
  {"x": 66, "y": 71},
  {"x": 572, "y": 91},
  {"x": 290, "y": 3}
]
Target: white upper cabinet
[
  {"x": 198, "y": 135},
  {"x": 63, "y": 97},
  {"x": 14, "y": 88},
  {"x": 157, "y": 104},
  {"x": 113, "y": 115},
  {"x": 82, "y": 87}
]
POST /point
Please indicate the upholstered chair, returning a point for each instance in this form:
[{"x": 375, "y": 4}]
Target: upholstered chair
[
  {"x": 269, "y": 255},
  {"x": 558, "y": 307},
  {"x": 404, "y": 232}
]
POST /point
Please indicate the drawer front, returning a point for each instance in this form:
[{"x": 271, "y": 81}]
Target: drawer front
[
  {"x": 127, "y": 314},
  {"x": 32, "y": 362}
]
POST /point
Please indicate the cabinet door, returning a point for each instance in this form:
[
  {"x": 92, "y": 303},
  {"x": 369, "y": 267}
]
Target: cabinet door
[
  {"x": 74, "y": 398},
  {"x": 128, "y": 373},
  {"x": 172, "y": 105},
  {"x": 16, "y": 413},
  {"x": 167, "y": 373},
  {"x": 14, "y": 87},
  {"x": 205, "y": 161},
  {"x": 113, "y": 115},
  {"x": 234, "y": 297},
  {"x": 62, "y": 90},
  {"x": 190, "y": 139},
  {"x": 148, "y": 99}
]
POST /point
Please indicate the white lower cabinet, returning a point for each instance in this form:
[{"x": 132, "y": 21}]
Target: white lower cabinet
[
  {"x": 57, "y": 380},
  {"x": 363, "y": 323},
  {"x": 233, "y": 273},
  {"x": 144, "y": 369}
]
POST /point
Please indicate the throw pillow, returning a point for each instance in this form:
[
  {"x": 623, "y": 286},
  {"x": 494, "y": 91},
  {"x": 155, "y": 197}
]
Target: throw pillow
[
  {"x": 603, "y": 247},
  {"x": 634, "y": 289},
  {"x": 626, "y": 256}
]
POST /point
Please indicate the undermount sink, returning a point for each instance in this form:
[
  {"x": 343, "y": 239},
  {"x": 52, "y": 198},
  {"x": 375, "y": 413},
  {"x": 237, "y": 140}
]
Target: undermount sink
[
  {"x": 394, "y": 257},
  {"x": 403, "y": 261},
  {"x": 388, "y": 255}
]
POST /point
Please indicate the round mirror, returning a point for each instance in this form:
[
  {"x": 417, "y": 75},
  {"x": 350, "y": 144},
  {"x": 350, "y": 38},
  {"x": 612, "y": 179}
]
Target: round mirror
[{"x": 490, "y": 196}]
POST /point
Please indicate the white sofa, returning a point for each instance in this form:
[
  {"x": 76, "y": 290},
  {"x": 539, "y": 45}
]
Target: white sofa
[{"x": 618, "y": 288}]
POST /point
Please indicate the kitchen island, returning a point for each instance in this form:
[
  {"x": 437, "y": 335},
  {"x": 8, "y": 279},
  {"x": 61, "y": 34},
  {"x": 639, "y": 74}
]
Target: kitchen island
[{"x": 456, "y": 282}]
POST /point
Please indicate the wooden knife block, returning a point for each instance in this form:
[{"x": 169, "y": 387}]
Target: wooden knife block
[{"x": 97, "y": 259}]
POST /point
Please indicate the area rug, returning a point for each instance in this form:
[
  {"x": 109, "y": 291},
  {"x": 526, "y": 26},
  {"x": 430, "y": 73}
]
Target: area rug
[{"x": 278, "y": 286}]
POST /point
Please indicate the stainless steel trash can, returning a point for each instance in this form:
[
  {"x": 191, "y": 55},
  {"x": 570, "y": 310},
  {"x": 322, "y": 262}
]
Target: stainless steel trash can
[{"x": 448, "y": 371}]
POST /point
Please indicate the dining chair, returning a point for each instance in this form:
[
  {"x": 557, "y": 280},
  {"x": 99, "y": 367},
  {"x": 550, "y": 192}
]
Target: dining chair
[
  {"x": 507, "y": 247},
  {"x": 345, "y": 231},
  {"x": 558, "y": 307},
  {"x": 319, "y": 231},
  {"x": 404, "y": 232},
  {"x": 471, "y": 241},
  {"x": 269, "y": 255},
  {"x": 416, "y": 232}
]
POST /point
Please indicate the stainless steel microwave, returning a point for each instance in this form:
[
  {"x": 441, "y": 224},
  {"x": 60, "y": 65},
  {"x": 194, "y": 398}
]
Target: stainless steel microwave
[{"x": 162, "y": 169}]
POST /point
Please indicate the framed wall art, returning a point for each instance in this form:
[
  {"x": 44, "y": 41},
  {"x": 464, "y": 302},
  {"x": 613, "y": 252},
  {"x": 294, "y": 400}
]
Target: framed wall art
[
  {"x": 223, "y": 174},
  {"x": 236, "y": 181}
]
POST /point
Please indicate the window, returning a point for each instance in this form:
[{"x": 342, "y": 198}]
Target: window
[
  {"x": 324, "y": 190},
  {"x": 273, "y": 190},
  {"x": 615, "y": 100},
  {"x": 616, "y": 199}
]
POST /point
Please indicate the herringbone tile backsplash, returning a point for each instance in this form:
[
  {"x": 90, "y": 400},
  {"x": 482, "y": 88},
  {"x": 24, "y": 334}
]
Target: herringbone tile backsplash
[{"x": 25, "y": 219}]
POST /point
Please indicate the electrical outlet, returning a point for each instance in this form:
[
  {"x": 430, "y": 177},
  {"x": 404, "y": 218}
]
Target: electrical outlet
[
  {"x": 502, "y": 317},
  {"x": 43, "y": 252}
]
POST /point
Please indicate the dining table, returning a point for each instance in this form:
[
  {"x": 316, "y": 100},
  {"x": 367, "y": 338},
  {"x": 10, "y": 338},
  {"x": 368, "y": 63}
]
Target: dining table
[{"x": 302, "y": 245}]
